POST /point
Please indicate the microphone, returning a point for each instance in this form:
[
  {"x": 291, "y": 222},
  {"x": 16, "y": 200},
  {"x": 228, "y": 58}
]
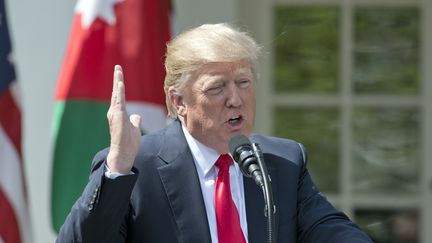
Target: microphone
[
  {"x": 251, "y": 163},
  {"x": 242, "y": 151}
]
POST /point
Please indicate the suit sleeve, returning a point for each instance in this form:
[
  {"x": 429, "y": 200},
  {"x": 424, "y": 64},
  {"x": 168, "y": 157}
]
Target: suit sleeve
[
  {"x": 101, "y": 212},
  {"x": 318, "y": 220}
]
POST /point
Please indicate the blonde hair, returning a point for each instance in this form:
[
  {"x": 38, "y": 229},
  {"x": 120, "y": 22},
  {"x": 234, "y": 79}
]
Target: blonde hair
[{"x": 204, "y": 44}]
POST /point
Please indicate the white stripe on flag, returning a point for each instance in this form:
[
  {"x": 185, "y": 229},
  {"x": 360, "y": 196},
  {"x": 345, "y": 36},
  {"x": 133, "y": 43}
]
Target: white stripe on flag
[
  {"x": 16, "y": 94},
  {"x": 11, "y": 184},
  {"x": 153, "y": 116}
]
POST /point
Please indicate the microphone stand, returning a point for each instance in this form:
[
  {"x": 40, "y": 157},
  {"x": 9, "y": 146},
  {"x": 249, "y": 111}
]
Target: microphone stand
[{"x": 270, "y": 208}]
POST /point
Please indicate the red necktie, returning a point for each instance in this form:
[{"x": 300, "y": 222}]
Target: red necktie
[{"x": 227, "y": 217}]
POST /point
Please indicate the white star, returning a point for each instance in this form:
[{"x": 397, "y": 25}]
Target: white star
[{"x": 91, "y": 9}]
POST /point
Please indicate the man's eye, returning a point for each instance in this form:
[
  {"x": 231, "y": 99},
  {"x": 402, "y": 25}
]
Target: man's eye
[
  {"x": 215, "y": 90},
  {"x": 244, "y": 83}
]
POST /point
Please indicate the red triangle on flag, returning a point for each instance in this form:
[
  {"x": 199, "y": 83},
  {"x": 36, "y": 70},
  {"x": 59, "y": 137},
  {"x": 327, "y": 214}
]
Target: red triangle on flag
[{"x": 136, "y": 40}]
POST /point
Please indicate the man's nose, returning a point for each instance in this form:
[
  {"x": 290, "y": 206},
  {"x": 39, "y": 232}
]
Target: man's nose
[{"x": 233, "y": 96}]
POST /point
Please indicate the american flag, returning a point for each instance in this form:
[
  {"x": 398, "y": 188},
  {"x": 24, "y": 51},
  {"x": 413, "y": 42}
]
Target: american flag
[{"x": 14, "y": 216}]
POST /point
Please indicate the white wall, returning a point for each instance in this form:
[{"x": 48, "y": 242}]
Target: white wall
[{"x": 39, "y": 31}]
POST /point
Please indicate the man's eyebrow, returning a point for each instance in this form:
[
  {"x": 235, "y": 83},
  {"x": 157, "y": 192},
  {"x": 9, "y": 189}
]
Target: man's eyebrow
[{"x": 243, "y": 71}]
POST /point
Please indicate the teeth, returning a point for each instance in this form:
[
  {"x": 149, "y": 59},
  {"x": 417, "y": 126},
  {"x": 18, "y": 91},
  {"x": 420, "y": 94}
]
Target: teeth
[{"x": 234, "y": 119}]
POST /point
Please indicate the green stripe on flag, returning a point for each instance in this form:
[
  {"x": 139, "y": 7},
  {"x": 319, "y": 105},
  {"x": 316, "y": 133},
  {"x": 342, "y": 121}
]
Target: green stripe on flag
[{"x": 81, "y": 129}]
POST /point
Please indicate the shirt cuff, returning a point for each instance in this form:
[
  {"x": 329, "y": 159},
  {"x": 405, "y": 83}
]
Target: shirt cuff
[{"x": 112, "y": 175}]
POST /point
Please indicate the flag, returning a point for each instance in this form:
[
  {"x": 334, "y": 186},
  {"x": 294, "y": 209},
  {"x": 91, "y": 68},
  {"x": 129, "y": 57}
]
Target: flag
[
  {"x": 132, "y": 33},
  {"x": 14, "y": 215}
]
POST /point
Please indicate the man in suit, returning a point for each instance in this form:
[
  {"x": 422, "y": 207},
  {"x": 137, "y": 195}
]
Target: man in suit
[{"x": 171, "y": 186}]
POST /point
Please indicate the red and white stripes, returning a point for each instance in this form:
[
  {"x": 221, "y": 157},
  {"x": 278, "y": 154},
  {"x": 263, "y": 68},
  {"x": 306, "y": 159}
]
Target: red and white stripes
[{"x": 14, "y": 214}]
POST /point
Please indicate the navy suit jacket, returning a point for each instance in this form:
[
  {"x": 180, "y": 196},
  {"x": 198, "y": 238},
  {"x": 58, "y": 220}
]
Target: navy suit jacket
[{"x": 162, "y": 200}]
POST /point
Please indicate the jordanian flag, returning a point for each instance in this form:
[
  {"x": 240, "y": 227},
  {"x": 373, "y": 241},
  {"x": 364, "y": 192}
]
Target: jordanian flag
[{"x": 132, "y": 33}]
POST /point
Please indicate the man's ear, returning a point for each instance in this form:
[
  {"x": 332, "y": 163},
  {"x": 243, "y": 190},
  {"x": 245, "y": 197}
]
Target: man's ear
[{"x": 177, "y": 101}]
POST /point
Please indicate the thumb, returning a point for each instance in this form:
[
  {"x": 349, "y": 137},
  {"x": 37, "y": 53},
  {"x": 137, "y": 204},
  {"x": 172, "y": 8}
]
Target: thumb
[{"x": 135, "y": 120}]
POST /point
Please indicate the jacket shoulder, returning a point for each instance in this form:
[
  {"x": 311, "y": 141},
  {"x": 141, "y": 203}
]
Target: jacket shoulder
[{"x": 281, "y": 147}]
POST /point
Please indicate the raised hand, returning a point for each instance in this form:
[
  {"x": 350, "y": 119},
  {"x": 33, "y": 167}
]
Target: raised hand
[{"x": 124, "y": 130}]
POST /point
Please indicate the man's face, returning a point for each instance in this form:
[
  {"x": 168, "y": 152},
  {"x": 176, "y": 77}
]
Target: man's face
[{"x": 218, "y": 102}]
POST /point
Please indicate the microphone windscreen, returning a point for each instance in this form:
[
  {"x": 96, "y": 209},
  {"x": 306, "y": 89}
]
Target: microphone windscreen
[{"x": 237, "y": 141}]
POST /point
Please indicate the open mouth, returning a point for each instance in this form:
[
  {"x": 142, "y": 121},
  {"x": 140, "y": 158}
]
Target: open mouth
[{"x": 235, "y": 120}]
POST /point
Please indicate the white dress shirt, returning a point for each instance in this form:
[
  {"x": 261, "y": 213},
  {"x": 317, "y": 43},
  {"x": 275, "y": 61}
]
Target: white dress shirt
[{"x": 205, "y": 158}]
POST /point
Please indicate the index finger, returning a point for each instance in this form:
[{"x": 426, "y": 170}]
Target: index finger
[{"x": 117, "y": 77}]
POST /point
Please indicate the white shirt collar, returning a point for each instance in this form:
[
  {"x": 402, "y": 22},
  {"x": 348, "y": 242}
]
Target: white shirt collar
[{"x": 204, "y": 156}]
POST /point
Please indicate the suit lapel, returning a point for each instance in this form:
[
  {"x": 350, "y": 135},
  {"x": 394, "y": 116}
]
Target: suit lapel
[
  {"x": 257, "y": 222},
  {"x": 182, "y": 187}
]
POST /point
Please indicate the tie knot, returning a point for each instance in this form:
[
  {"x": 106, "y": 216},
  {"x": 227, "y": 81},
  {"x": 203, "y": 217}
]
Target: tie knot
[{"x": 224, "y": 162}]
